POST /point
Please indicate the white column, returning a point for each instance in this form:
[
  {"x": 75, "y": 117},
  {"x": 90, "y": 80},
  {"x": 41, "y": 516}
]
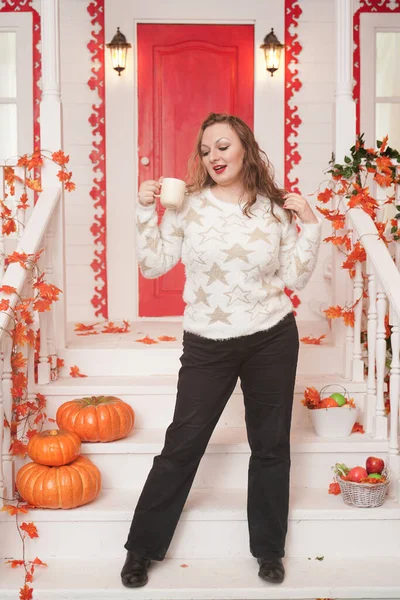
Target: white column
[
  {"x": 51, "y": 139},
  {"x": 344, "y": 138}
]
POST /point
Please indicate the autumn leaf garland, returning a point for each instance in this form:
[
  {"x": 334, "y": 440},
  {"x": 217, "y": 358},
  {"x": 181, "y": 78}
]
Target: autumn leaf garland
[{"x": 349, "y": 187}]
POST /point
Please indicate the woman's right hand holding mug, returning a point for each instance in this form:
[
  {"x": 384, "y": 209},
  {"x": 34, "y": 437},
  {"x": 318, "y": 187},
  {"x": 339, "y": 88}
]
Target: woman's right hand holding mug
[{"x": 147, "y": 190}]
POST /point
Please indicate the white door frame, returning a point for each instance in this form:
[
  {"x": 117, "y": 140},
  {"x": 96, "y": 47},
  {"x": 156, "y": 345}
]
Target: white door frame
[{"x": 121, "y": 119}]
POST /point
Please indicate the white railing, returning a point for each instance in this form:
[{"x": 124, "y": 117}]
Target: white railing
[
  {"x": 377, "y": 313},
  {"x": 44, "y": 230}
]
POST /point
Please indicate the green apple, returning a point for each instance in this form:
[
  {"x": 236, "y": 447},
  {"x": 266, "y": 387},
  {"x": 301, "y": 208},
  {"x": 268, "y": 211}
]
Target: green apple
[
  {"x": 375, "y": 475},
  {"x": 339, "y": 398}
]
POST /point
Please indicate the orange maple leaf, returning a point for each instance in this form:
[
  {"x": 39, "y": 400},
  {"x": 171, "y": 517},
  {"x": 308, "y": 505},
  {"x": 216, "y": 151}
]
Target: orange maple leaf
[
  {"x": 23, "y": 201},
  {"x": 9, "y": 226},
  {"x": 309, "y": 339},
  {"x": 384, "y": 143},
  {"x": 33, "y": 184},
  {"x": 311, "y": 398},
  {"x": 383, "y": 179},
  {"x": 357, "y": 428},
  {"x": 14, "y": 510},
  {"x": 83, "y": 327},
  {"x": 147, "y": 340},
  {"x": 325, "y": 196},
  {"x": 38, "y": 562},
  {"x": 15, "y": 563},
  {"x": 18, "y": 448},
  {"x": 19, "y": 334},
  {"x": 70, "y": 186},
  {"x": 35, "y": 160},
  {"x": 167, "y": 338},
  {"x": 4, "y": 304},
  {"x": 60, "y": 363},
  {"x": 18, "y": 361},
  {"x": 64, "y": 175},
  {"x": 334, "y": 488},
  {"x": 75, "y": 372},
  {"x": 30, "y": 529},
  {"x": 348, "y": 317},
  {"x": 18, "y": 257},
  {"x": 333, "y": 312},
  {"x": 8, "y": 289},
  {"x": 42, "y": 304},
  {"x": 60, "y": 158},
  {"x": 25, "y": 593}
]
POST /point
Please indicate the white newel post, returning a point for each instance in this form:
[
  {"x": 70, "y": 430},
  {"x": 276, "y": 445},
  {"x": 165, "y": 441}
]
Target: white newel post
[
  {"x": 371, "y": 341},
  {"x": 51, "y": 139},
  {"x": 344, "y": 138}
]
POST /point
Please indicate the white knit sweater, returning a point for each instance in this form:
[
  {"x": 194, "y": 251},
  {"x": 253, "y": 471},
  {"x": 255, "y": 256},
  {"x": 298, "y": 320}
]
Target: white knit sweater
[{"x": 236, "y": 267}]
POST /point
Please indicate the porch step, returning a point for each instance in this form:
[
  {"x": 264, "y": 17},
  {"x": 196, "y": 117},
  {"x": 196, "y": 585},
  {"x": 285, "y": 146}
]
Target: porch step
[
  {"x": 126, "y": 463},
  {"x": 153, "y": 397},
  {"x": 211, "y": 580},
  {"x": 213, "y": 525},
  {"x": 122, "y": 355}
]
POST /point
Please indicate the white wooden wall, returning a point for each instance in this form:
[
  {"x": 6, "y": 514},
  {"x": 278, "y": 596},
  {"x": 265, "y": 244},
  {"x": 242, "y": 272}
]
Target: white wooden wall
[
  {"x": 77, "y": 100},
  {"x": 315, "y": 102}
]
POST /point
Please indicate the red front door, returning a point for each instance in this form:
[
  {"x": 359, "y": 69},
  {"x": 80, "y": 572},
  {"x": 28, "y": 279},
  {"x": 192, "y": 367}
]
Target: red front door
[{"x": 184, "y": 73}]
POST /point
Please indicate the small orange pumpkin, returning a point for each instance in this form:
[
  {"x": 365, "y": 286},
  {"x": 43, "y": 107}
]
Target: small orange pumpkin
[
  {"x": 96, "y": 418},
  {"x": 67, "y": 486},
  {"x": 54, "y": 447}
]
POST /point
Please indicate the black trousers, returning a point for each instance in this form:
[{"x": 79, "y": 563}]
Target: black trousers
[{"x": 266, "y": 364}]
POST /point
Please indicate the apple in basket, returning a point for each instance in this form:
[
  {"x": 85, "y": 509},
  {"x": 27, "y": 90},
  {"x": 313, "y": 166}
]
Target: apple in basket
[
  {"x": 374, "y": 465},
  {"x": 339, "y": 398}
]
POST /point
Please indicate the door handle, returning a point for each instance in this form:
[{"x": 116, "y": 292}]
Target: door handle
[{"x": 145, "y": 161}]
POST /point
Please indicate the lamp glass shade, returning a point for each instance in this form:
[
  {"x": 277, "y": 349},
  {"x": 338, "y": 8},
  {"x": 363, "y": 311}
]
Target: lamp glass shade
[
  {"x": 118, "y": 58},
  {"x": 272, "y": 58}
]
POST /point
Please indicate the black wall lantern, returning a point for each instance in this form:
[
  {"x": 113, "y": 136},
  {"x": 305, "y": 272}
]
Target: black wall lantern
[
  {"x": 118, "y": 48},
  {"x": 272, "y": 51}
]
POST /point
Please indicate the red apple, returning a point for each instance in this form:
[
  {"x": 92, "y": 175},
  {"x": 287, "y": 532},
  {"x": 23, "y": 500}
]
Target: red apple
[
  {"x": 374, "y": 464},
  {"x": 356, "y": 474}
]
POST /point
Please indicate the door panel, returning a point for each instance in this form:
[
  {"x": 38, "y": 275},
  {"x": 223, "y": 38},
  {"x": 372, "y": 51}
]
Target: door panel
[{"x": 185, "y": 72}]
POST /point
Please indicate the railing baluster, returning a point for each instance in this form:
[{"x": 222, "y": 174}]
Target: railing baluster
[
  {"x": 8, "y": 458},
  {"x": 371, "y": 346},
  {"x": 358, "y": 288},
  {"x": 2, "y": 244},
  {"x": 394, "y": 387},
  {"x": 380, "y": 418},
  {"x": 49, "y": 272},
  {"x": 3, "y": 493}
]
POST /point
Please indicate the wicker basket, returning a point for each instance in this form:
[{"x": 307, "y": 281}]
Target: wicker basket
[{"x": 364, "y": 495}]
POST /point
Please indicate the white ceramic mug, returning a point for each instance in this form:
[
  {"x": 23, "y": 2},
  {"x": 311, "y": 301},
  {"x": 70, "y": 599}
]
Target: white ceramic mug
[{"x": 172, "y": 192}]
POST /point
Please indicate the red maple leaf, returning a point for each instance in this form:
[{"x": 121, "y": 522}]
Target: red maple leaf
[
  {"x": 357, "y": 428},
  {"x": 167, "y": 338},
  {"x": 333, "y": 312},
  {"x": 75, "y": 372},
  {"x": 25, "y": 593},
  {"x": 13, "y": 510},
  {"x": 30, "y": 529},
  {"x": 309, "y": 339},
  {"x": 334, "y": 488},
  {"x": 147, "y": 340}
]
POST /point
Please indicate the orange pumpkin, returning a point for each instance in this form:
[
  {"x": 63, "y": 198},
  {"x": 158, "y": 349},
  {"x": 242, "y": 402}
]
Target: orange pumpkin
[
  {"x": 67, "y": 486},
  {"x": 54, "y": 447},
  {"x": 97, "y": 418}
]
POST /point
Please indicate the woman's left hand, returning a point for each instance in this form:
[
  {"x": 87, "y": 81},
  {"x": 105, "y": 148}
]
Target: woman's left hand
[{"x": 301, "y": 207}]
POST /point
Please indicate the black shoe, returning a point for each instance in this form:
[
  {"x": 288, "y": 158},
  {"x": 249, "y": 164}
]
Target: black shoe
[
  {"x": 271, "y": 569},
  {"x": 134, "y": 571}
]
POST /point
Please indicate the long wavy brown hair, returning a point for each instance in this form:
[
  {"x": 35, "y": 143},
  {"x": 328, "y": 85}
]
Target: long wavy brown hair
[{"x": 258, "y": 173}]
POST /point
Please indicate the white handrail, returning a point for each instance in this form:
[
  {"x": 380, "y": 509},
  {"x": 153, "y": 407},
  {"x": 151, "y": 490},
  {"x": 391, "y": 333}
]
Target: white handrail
[
  {"x": 29, "y": 243},
  {"x": 379, "y": 256}
]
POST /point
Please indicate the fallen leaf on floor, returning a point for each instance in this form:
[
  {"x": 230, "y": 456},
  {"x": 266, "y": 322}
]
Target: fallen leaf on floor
[
  {"x": 334, "y": 488},
  {"x": 357, "y": 428},
  {"x": 167, "y": 338},
  {"x": 147, "y": 340},
  {"x": 75, "y": 372},
  {"x": 310, "y": 339},
  {"x": 184, "y": 566}
]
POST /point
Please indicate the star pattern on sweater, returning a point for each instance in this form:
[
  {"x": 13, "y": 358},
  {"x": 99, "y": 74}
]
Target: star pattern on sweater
[
  {"x": 205, "y": 202},
  {"x": 212, "y": 234},
  {"x": 142, "y": 226},
  {"x": 237, "y": 251},
  {"x": 216, "y": 274},
  {"x": 232, "y": 220},
  {"x": 259, "y": 309},
  {"x": 177, "y": 232},
  {"x": 252, "y": 274},
  {"x": 201, "y": 296},
  {"x": 219, "y": 315},
  {"x": 152, "y": 244},
  {"x": 312, "y": 247},
  {"x": 258, "y": 234},
  {"x": 193, "y": 217},
  {"x": 301, "y": 267},
  {"x": 270, "y": 288},
  {"x": 143, "y": 266},
  {"x": 238, "y": 295}
]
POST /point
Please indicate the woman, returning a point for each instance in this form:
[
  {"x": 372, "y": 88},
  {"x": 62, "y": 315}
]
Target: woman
[{"x": 238, "y": 241}]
